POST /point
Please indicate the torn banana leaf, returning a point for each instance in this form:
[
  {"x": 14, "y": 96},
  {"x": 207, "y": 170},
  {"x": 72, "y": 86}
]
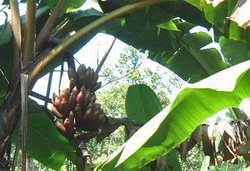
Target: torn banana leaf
[{"x": 195, "y": 103}]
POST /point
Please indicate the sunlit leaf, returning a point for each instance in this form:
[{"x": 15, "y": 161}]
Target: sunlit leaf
[
  {"x": 170, "y": 25},
  {"x": 174, "y": 124}
]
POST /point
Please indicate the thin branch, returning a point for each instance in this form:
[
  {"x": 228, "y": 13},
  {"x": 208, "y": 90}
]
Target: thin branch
[
  {"x": 125, "y": 122},
  {"x": 29, "y": 34},
  {"x": 105, "y": 56},
  {"x": 61, "y": 76},
  {"x": 61, "y": 28},
  {"x": 82, "y": 33},
  {"x": 117, "y": 79},
  {"x": 24, "y": 118},
  {"x": 114, "y": 124},
  {"x": 39, "y": 96},
  {"x": 45, "y": 33},
  {"x": 49, "y": 88},
  {"x": 83, "y": 157}
]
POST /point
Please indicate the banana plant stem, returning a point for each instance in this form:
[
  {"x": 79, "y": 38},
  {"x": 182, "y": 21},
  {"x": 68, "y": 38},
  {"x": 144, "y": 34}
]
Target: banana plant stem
[
  {"x": 16, "y": 23},
  {"x": 29, "y": 34}
]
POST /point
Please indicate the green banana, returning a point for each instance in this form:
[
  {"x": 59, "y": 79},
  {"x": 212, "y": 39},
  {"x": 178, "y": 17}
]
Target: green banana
[
  {"x": 72, "y": 84},
  {"x": 87, "y": 77},
  {"x": 96, "y": 87},
  {"x": 71, "y": 73},
  {"x": 81, "y": 70},
  {"x": 90, "y": 78},
  {"x": 72, "y": 101}
]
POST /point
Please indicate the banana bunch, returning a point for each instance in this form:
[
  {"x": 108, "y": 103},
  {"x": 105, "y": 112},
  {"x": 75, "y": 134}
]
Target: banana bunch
[
  {"x": 84, "y": 76},
  {"x": 76, "y": 106}
]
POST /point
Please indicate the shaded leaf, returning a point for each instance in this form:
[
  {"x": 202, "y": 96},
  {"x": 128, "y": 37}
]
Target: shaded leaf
[
  {"x": 244, "y": 150},
  {"x": 6, "y": 37},
  {"x": 195, "y": 3},
  {"x": 44, "y": 142},
  {"x": 209, "y": 59},
  {"x": 235, "y": 51},
  {"x": 142, "y": 103},
  {"x": 237, "y": 33},
  {"x": 6, "y": 48},
  {"x": 229, "y": 17},
  {"x": 191, "y": 62},
  {"x": 207, "y": 144},
  {"x": 173, "y": 161},
  {"x": 216, "y": 14},
  {"x": 147, "y": 35}
]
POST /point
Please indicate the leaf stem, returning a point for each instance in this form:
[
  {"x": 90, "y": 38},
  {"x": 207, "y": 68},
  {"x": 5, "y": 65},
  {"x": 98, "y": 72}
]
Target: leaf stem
[
  {"x": 16, "y": 23},
  {"x": 24, "y": 109},
  {"x": 82, "y": 33},
  {"x": 105, "y": 56},
  {"x": 45, "y": 33},
  {"x": 29, "y": 34},
  {"x": 17, "y": 42}
]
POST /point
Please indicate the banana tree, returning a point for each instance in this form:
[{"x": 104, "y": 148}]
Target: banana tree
[{"x": 34, "y": 44}]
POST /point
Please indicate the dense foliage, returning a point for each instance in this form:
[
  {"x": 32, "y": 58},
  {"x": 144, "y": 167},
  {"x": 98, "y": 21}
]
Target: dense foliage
[{"x": 51, "y": 31}]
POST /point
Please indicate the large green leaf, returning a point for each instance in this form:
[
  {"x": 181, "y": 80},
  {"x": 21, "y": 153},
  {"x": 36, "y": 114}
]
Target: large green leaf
[
  {"x": 141, "y": 103},
  {"x": 216, "y": 14},
  {"x": 173, "y": 162},
  {"x": 6, "y": 56},
  {"x": 78, "y": 20},
  {"x": 154, "y": 28},
  {"x": 229, "y": 17},
  {"x": 191, "y": 62},
  {"x": 6, "y": 37},
  {"x": 175, "y": 123},
  {"x": 136, "y": 30},
  {"x": 235, "y": 51},
  {"x": 44, "y": 142},
  {"x": 163, "y": 43},
  {"x": 168, "y": 42}
]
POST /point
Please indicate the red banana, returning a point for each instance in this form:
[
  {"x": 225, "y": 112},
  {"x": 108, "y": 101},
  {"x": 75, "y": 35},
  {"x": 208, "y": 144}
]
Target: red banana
[
  {"x": 60, "y": 127},
  {"x": 56, "y": 112},
  {"x": 65, "y": 109}
]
